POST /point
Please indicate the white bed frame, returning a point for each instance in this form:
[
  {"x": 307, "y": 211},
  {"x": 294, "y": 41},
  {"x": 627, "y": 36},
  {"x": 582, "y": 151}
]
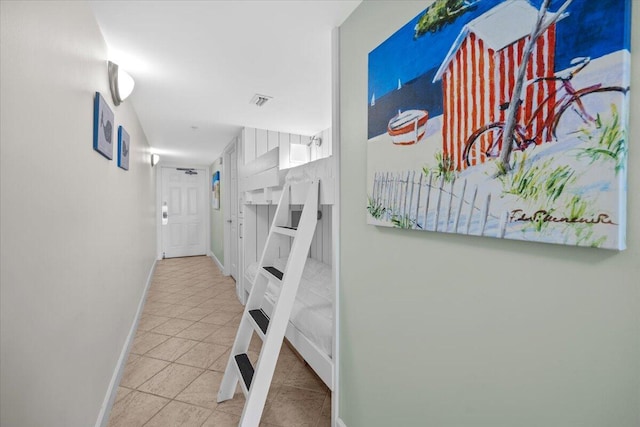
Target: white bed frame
[{"x": 260, "y": 185}]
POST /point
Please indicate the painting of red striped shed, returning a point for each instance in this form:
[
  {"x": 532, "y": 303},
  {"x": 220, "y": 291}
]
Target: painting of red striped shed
[
  {"x": 479, "y": 73},
  {"x": 503, "y": 118}
]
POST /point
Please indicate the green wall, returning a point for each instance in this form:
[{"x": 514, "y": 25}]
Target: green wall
[
  {"x": 443, "y": 330},
  {"x": 217, "y": 216}
]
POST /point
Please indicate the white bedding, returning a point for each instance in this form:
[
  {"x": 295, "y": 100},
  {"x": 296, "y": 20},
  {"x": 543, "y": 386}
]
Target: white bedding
[
  {"x": 318, "y": 168},
  {"x": 312, "y": 312}
]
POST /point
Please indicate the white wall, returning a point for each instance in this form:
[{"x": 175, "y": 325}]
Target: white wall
[
  {"x": 78, "y": 234},
  {"x": 258, "y": 141},
  {"x": 449, "y": 330}
]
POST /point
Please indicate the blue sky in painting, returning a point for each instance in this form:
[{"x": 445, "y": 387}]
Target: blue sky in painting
[{"x": 591, "y": 29}]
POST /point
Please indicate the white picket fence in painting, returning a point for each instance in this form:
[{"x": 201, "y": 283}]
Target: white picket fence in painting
[{"x": 431, "y": 203}]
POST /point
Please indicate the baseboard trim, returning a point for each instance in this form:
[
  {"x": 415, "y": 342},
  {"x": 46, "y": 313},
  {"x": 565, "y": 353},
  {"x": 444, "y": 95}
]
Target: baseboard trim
[
  {"x": 110, "y": 397},
  {"x": 217, "y": 261},
  {"x": 340, "y": 423}
]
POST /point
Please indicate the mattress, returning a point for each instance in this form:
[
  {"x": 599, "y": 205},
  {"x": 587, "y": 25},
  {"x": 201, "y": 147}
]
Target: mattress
[
  {"x": 318, "y": 168},
  {"x": 312, "y": 312}
]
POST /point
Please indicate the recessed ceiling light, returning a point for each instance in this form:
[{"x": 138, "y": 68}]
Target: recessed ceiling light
[{"x": 260, "y": 100}]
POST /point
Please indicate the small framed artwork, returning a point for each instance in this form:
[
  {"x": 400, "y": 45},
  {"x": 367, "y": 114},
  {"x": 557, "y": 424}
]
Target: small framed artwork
[
  {"x": 102, "y": 127},
  {"x": 215, "y": 189},
  {"x": 123, "y": 148}
]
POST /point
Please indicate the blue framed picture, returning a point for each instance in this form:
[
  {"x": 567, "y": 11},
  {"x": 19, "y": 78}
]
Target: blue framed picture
[
  {"x": 102, "y": 127},
  {"x": 123, "y": 148},
  {"x": 215, "y": 189}
]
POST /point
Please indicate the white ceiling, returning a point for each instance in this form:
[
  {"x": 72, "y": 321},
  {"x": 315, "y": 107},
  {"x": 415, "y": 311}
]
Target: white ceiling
[{"x": 197, "y": 64}]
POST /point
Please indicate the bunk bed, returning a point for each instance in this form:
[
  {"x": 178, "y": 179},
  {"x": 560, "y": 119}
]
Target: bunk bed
[{"x": 311, "y": 326}]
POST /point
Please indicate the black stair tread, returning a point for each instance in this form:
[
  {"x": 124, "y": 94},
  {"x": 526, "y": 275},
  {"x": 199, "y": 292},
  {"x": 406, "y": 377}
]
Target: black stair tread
[
  {"x": 245, "y": 367},
  {"x": 277, "y": 273},
  {"x": 261, "y": 319}
]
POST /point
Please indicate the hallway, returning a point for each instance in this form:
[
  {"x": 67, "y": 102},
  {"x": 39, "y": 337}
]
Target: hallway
[{"x": 180, "y": 351}]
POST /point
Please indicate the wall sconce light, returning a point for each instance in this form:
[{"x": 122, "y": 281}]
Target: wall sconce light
[
  {"x": 315, "y": 140},
  {"x": 155, "y": 158},
  {"x": 120, "y": 83}
]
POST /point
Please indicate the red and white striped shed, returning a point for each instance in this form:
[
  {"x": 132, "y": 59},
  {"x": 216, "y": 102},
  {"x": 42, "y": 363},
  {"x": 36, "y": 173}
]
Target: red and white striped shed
[{"x": 479, "y": 73}]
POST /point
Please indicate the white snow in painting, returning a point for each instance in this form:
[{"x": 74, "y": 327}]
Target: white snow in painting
[{"x": 586, "y": 206}]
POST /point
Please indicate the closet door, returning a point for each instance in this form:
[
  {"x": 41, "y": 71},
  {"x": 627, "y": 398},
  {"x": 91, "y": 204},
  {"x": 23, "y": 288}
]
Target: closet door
[{"x": 233, "y": 210}]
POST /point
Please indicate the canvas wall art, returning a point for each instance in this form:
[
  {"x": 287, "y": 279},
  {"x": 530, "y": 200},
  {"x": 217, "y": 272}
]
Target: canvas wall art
[
  {"x": 124, "y": 146},
  {"x": 215, "y": 190},
  {"x": 450, "y": 88},
  {"x": 103, "y": 128}
]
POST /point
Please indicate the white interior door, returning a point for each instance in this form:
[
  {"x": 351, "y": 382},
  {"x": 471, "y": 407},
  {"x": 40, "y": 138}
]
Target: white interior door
[
  {"x": 233, "y": 209},
  {"x": 183, "y": 192}
]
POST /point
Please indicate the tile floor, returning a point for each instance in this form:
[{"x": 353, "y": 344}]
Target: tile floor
[{"x": 180, "y": 352}]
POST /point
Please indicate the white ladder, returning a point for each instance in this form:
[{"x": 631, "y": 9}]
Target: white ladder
[{"x": 255, "y": 384}]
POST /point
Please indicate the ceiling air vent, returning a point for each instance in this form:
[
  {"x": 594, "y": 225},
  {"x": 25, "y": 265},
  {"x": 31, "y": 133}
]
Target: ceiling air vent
[{"x": 260, "y": 100}]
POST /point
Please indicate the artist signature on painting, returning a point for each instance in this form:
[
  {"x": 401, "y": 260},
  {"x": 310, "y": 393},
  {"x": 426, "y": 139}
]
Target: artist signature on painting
[{"x": 518, "y": 215}]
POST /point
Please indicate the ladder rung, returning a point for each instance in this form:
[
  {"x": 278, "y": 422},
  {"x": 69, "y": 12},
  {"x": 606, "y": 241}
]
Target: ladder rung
[
  {"x": 245, "y": 368},
  {"x": 274, "y": 272},
  {"x": 287, "y": 231},
  {"x": 261, "y": 319}
]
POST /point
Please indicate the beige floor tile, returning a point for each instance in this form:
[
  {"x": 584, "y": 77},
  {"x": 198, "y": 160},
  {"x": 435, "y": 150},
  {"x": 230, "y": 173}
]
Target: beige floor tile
[
  {"x": 207, "y": 293},
  {"x": 179, "y": 414},
  {"x": 171, "y": 380},
  {"x": 325, "y": 415},
  {"x": 171, "y": 349},
  {"x": 135, "y": 409},
  {"x": 203, "y": 391},
  {"x": 228, "y": 297},
  {"x": 223, "y": 336},
  {"x": 146, "y": 342},
  {"x": 202, "y": 355},
  {"x": 235, "y": 321},
  {"x": 172, "y": 298},
  {"x": 199, "y": 331},
  {"x": 221, "y": 362},
  {"x": 172, "y": 310},
  {"x": 195, "y": 314},
  {"x": 139, "y": 369},
  {"x": 122, "y": 392},
  {"x": 233, "y": 406},
  {"x": 155, "y": 308},
  {"x": 176, "y": 288},
  {"x": 192, "y": 301},
  {"x": 294, "y": 407},
  {"x": 200, "y": 285},
  {"x": 222, "y": 419},
  {"x": 234, "y": 307},
  {"x": 219, "y": 317},
  {"x": 219, "y": 305},
  {"x": 302, "y": 376},
  {"x": 287, "y": 363},
  {"x": 172, "y": 327},
  {"x": 156, "y": 296},
  {"x": 150, "y": 321}
]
